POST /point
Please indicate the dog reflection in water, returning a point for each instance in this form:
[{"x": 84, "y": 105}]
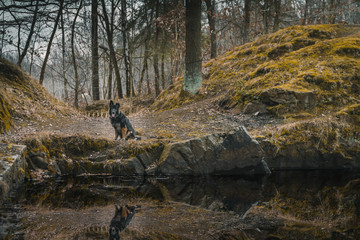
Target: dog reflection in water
[{"x": 122, "y": 218}]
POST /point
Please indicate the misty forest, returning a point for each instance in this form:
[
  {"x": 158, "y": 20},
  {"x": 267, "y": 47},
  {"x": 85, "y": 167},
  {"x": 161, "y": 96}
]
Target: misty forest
[{"x": 180, "y": 119}]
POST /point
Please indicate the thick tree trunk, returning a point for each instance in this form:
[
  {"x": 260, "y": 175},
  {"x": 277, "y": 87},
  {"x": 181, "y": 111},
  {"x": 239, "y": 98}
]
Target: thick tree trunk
[
  {"x": 210, "y": 5},
  {"x": 27, "y": 44},
  {"x": 94, "y": 51},
  {"x": 43, "y": 68},
  {"x": 193, "y": 77}
]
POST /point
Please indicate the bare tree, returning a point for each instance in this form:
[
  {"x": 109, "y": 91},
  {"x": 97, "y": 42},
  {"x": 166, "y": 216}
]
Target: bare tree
[
  {"x": 112, "y": 50},
  {"x": 94, "y": 51},
  {"x": 42, "y": 74}
]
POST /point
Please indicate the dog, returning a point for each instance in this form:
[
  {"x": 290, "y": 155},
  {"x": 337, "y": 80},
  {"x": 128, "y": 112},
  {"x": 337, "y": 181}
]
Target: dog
[
  {"x": 121, "y": 220},
  {"x": 121, "y": 123}
]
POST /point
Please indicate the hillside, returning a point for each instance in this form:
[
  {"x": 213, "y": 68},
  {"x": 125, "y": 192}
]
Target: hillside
[
  {"x": 22, "y": 99},
  {"x": 307, "y": 77}
]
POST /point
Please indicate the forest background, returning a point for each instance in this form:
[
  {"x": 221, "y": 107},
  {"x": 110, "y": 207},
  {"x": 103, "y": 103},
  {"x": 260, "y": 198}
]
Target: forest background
[{"x": 85, "y": 50}]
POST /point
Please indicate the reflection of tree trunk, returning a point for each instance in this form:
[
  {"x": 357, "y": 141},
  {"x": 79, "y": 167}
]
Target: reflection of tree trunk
[
  {"x": 27, "y": 44},
  {"x": 94, "y": 51},
  {"x": 112, "y": 50},
  {"x": 66, "y": 94},
  {"x": 210, "y": 5},
  {"x": 193, "y": 76},
  {"x": 42, "y": 73},
  {"x": 77, "y": 80}
]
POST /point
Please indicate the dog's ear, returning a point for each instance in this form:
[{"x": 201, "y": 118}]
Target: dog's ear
[
  {"x": 111, "y": 103},
  {"x": 117, "y": 105}
]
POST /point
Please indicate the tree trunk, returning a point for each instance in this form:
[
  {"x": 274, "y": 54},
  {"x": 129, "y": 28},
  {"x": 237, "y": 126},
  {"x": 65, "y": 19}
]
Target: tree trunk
[
  {"x": 42, "y": 73},
  {"x": 66, "y": 94},
  {"x": 112, "y": 50},
  {"x": 125, "y": 43},
  {"x": 193, "y": 78},
  {"x": 156, "y": 55},
  {"x": 277, "y": 15},
  {"x": 94, "y": 51},
  {"x": 77, "y": 80},
  {"x": 27, "y": 44},
  {"x": 110, "y": 79},
  {"x": 306, "y": 9},
  {"x": 247, "y": 9},
  {"x": 210, "y": 5}
]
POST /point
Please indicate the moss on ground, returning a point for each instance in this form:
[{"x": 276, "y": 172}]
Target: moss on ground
[{"x": 319, "y": 59}]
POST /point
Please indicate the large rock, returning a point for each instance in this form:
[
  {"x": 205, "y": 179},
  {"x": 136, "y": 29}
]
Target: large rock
[
  {"x": 12, "y": 168},
  {"x": 233, "y": 153}
]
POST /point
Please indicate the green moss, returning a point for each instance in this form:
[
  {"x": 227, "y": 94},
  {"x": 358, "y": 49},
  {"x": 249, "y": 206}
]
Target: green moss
[{"x": 5, "y": 117}]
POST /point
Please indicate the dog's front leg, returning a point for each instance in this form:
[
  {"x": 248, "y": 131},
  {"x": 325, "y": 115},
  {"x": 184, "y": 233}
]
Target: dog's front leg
[{"x": 123, "y": 133}]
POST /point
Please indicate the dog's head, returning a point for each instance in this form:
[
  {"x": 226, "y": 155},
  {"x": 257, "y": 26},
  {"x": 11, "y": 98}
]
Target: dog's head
[{"x": 114, "y": 109}]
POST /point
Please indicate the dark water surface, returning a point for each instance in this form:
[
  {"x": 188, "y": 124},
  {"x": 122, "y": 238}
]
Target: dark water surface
[{"x": 234, "y": 194}]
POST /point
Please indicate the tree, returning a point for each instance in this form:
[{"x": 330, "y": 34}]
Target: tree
[
  {"x": 77, "y": 80},
  {"x": 124, "y": 30},
  {"x": 210, "y": 5},
  {"x": 42, "y": 74},
  {"x": 192, "y": 78},
  {"x": 94, "y": 51},
  {"x": 109, "y": 34},
  {"x": 27, "y": 44}
]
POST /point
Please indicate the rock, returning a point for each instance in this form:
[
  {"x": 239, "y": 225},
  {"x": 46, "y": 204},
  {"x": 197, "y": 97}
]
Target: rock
[
  {"x": 233, "y": 153},
  {"x": 12, "y": 167}
]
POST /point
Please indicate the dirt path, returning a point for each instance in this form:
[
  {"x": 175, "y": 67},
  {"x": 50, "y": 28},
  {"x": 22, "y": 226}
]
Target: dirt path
[{"x": 186, "y": 122}]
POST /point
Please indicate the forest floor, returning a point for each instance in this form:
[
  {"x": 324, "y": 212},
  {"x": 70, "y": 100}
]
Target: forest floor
[{"x": 188, "y": 121}]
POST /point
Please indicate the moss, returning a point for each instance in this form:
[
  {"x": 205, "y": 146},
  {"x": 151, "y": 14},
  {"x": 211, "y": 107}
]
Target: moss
[{"x": 5, "y": 117}]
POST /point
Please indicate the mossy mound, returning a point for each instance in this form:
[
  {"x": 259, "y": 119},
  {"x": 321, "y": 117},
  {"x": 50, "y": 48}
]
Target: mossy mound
[
  {"x": 300, "y": 68},
  {"x": 22, "y": 97}
]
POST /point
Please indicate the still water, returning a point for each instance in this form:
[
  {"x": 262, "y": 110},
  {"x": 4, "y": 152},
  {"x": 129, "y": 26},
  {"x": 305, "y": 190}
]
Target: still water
[{"x": 221, "y": 194}]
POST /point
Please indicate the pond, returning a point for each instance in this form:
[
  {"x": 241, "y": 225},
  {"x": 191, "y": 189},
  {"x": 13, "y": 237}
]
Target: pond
[{"x": 181, "y": 207}]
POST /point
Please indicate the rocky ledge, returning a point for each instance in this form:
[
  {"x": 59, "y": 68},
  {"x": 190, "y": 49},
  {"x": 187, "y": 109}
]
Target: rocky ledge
[{"x": 232, "y": 153}]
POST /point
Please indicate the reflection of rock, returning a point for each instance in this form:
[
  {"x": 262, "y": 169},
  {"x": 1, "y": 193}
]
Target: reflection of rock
[
  {"x": 217, "y": 193},
  {"x": 234, "y": 153}
]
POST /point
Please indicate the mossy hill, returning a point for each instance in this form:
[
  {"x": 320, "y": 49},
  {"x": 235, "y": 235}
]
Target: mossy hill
[
  {"x": 301, "y": 69},
  {"x": 22, "y": 97},
  {"x": 308, "y": 76}
]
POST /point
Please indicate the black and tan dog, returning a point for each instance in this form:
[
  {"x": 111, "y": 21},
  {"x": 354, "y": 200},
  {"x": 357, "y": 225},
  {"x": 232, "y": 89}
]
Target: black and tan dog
[
  {"x": 120, "y": 122},
  {"x": 119, "y": 222}
]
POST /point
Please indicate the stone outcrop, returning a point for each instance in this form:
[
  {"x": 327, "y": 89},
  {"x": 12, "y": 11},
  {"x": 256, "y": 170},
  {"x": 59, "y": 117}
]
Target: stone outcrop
[
  {"x": 12, "y": 167},
  {"x": 233, "y": 153}
]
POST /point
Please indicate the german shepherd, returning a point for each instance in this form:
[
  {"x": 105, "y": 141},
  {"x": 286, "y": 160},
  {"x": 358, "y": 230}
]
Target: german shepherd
[
  {"x": 121, "y": 123},
  {"x": 119, "y": 222}
]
